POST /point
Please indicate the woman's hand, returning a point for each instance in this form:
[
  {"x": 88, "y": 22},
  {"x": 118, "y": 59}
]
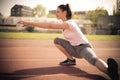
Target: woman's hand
[{"x": 24, "y": 23}]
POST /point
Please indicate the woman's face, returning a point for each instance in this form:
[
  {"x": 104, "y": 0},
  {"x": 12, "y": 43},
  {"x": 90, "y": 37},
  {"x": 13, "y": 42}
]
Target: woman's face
[{"x": 60, "y": 14}]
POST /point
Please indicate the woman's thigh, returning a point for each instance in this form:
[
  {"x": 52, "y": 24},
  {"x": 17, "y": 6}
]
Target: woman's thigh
[
  {"x": 89, "y": 55},
  {"x": 66, "y": 45}
]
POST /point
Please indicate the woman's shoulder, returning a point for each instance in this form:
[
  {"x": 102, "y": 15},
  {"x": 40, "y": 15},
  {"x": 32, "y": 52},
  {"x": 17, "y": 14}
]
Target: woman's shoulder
[
  {"x": 72, "y": 24},
  {"x": 70, "y": 21}
]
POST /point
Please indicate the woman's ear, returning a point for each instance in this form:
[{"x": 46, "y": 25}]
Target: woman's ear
[{"x": 65, "y": 13}]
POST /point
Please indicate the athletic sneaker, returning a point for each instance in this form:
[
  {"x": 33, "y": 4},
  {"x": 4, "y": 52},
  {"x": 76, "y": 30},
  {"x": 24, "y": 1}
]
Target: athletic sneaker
[
  {"x": 112, "y": 69},
  {"x": 68, "y": 62}
]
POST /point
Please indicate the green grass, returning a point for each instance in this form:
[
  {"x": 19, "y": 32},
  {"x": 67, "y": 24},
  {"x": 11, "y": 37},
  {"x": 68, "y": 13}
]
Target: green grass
[
  {"x": 50, "y": 36},
  {"x": 21, "y": 35},
  {"x": 104, "y": 37}
]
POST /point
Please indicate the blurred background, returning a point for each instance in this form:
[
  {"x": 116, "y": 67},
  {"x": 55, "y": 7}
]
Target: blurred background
[{"x": 98, "y": 17}]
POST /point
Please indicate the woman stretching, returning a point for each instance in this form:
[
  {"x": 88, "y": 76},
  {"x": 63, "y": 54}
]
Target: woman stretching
[{"x": 75, "y": 44}]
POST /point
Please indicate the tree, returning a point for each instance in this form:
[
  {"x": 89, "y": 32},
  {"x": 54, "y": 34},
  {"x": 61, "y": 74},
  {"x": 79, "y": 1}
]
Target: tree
[
  {"x": 117, "y": 13},
  {"x": 1, "y": 15},
  {"x": 113, "y": 29},
  {"x": 51, "y": 15},
  {"x": 94, "y": 14},
  {"x": 75, "y": 16},
  {"x": 39, "y": 11},
  {"x": 30, "y": 29}
]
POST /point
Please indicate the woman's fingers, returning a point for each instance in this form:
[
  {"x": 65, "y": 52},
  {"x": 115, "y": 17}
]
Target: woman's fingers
[{"x": 23, "y": 23}]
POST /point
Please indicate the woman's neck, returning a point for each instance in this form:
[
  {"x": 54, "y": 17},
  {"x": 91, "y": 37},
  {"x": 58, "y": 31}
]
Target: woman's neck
[{"x": 64, "y": 19}]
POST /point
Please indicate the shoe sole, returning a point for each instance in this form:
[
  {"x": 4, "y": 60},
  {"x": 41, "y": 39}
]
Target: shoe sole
[
  {"x": 113, "y": 67},
  {"x": 67, "y": 64}
]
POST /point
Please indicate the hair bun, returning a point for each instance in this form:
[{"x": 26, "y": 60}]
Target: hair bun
[{"x": 67, "y": 5}]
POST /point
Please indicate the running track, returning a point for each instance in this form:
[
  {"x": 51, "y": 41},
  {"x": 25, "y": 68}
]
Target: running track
[{"x": 39, "y": 60}]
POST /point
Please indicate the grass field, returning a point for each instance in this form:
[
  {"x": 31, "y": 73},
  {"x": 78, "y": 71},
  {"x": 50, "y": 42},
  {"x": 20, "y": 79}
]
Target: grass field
[{"x": 46, "y": 36}]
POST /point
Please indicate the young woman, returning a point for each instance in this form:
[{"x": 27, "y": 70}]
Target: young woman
[{"x": 75, "y": 44}]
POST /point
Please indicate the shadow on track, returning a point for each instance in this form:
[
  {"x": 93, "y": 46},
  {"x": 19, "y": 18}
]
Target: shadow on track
[{"x": 26, "y": 73}]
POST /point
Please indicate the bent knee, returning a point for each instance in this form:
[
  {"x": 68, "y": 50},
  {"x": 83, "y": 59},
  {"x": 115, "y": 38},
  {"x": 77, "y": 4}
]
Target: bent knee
[
  {"x": 93, "y": 60},
  {"x": 56, "y": 40}
]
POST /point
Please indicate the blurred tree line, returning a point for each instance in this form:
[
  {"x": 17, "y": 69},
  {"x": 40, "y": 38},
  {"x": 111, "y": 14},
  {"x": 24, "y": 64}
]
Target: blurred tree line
[
  {"x": 39, "y": 11},
  {"x": 94, "y": 14}
]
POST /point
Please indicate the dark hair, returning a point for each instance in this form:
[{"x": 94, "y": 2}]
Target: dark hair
[{"x": 67, "y": 9}]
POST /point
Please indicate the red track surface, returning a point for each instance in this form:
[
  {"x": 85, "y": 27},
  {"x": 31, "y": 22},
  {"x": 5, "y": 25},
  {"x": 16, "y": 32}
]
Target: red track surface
[{"x": 39, "y": 59}]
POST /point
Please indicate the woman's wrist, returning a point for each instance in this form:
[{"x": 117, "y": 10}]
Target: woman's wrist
[{"x": 26, "y": 23}]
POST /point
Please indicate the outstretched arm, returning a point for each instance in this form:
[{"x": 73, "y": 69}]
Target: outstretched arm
[{"x": 46, "y": 25}]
